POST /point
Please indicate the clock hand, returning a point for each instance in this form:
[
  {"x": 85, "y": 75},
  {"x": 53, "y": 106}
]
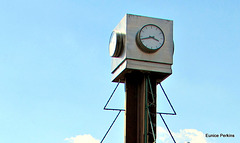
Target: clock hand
[
  {"x": 154, "y": 38},
  {"x": 150, "y": 37},
  {"x": 146, "y": 38}
]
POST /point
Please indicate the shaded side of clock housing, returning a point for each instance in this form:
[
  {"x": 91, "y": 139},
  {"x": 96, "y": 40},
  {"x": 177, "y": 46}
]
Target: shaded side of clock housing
[{"x": 132, "y": 58}]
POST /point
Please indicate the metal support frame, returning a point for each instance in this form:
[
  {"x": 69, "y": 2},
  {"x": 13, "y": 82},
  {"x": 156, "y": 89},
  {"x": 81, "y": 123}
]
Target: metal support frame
[
  {"x": 147, "y": 112},
  {"x": 162, "y": 113},
  {"x": 148, "y": 104},
  {"x": 112, "y": 109}
]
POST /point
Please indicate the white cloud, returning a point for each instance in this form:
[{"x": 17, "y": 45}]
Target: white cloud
[
  {"x": 82, "y": 139},
  {"x": 183, "y": 136}
]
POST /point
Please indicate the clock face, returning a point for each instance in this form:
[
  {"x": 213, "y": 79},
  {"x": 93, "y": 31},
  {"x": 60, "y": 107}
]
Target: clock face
[
  {"x": 115, "y": 44},
  {"x": 150, "y": 38}
]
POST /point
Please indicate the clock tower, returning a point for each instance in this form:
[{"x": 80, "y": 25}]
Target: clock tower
[{"x": 141, "y": 50}]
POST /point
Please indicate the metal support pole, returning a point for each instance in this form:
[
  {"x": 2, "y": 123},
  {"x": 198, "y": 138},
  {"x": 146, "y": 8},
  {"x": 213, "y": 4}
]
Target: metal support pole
[{"x": 140, "y": 115}]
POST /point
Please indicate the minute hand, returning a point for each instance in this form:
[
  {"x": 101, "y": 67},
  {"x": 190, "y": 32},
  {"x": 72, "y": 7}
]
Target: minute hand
[{"x": 146, "y": 38}]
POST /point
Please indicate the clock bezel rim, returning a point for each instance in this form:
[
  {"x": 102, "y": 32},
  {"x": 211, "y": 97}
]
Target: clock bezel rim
[
  {"x": 119, "y": 43},
  {"x": 142, "y": 46}
]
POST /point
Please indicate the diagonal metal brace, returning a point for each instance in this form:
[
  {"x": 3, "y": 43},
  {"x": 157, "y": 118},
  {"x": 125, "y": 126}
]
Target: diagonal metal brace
[{"x": 110, "y": 126}]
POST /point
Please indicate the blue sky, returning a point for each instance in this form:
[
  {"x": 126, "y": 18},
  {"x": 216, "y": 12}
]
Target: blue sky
[{"x": 55, "y": 69}]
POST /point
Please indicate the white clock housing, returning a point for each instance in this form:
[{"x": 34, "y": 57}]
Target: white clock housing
[{"x": 152, "y": 53}]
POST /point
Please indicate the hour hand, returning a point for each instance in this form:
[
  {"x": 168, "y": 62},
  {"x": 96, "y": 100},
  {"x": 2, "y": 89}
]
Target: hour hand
[{"x": 154, "y": 38}]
